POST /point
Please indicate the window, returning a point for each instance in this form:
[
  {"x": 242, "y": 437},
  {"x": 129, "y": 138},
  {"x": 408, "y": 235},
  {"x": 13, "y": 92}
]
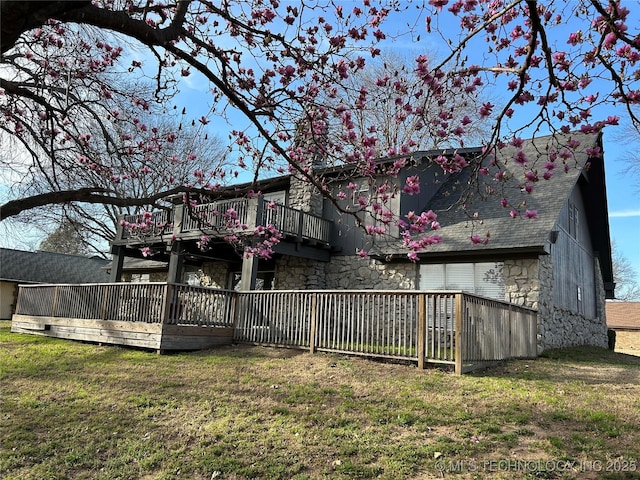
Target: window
[
  {"x": 579, "y": 298},
  {"x": 264, "y": 280},
  {"x": 362, "y": 191},
  {"x": 192, "y": 278},
  {"x": 483, "y": 278},
  {"x": 278, "y": 197},
  {"x": 574, "y": 221}
]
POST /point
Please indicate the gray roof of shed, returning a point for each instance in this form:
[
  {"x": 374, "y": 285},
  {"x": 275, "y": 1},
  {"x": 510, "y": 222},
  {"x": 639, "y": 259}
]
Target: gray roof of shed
[
  {"x": 48, "y": 267},
  {"x": 547, "y": 198}
]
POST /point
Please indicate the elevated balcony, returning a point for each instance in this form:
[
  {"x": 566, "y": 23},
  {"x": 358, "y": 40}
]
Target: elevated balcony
[{"x": 300, "y": 230}]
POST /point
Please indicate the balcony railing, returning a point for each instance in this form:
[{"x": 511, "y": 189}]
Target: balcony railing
[{"x": 224, "y": 217}]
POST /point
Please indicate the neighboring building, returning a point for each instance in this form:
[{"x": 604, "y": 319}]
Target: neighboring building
[
  {"x": 141, "y": 270},
  {"x": 559, "y": 263},
  {"x": 624, "y": 318},
  {"x": 20, "y": 267}
]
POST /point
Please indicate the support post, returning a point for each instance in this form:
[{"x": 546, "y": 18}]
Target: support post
[
  {"x": 422, "y": 304},
  {"x": 117, "y": 262},
  {"x": 254, "y": 212},
  {"x": 166, "y": 304},
  {"x": 459, "y": 334},
  {"x": 249, "y": 272},
  {"x": 174, "y": 275},
  {"x": 178, "y": 214}
]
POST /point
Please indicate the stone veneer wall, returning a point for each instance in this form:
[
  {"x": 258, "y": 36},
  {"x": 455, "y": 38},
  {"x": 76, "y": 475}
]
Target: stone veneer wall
[
  {"x": 304, "y": 196},
  {"x": 345, "y": 272},
  {"x": 353, "y": 272},
  {"x": 294, "y": 273},
  {"x": 153, "y": 277},
  {"x": 214, "y": 275},
  {"x": 529, "y": 282},
  {"x": 521, "y": 282}
]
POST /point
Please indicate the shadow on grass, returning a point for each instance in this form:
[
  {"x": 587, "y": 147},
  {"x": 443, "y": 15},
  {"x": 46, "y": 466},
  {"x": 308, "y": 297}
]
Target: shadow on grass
[
  {"x": 590, "y": 365},
  {"x": 585, "y": 355}
]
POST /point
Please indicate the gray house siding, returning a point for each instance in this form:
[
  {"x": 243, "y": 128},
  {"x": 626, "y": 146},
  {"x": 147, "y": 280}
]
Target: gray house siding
[
  {"x": 348, "y": 235},
  {"x": 574, "y": 286}
]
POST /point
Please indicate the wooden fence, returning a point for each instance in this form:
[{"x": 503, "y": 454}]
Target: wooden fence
[{"x": 442, "y": 327}]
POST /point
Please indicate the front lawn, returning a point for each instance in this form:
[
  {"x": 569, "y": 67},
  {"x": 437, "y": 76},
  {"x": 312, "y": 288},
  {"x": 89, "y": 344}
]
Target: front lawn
[{"x": 70, "y": 410}]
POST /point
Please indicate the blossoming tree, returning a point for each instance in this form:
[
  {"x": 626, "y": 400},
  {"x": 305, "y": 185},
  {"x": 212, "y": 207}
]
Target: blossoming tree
[{"x": 286, "y": 68}]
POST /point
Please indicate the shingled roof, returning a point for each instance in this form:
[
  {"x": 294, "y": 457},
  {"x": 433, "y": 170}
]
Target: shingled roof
[
  {"x": 547, "y": 198},
  {"x": 48, "y": 267}
]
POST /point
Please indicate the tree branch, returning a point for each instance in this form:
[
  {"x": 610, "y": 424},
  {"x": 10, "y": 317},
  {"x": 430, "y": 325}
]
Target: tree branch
[{"x": 86, "y": 195}]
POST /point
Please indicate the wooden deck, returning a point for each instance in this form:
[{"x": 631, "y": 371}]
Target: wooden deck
[
  {"x": 156, "y": 316},
  {"x": 456, "y": 328}
]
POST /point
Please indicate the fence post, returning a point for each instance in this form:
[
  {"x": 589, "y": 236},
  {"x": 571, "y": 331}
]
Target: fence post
[
  {"x": 233, "y": 310},
  {"x": 19, "y": 299},
  {"x": 459, "y": 349},
  {"x": 105, "y": 301},
  {"x": 511, "y": 331},
  {"x": 421, "y": 329},
  {"x": 55, "y": 302},
  {"x": 312, "y": 332}
]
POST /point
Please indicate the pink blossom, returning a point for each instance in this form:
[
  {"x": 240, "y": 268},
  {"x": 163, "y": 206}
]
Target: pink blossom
[
  {"x": 531, "y": 214},
  {"x": 485, "y": 110},
  {"x": 575, "y": 38},
  {"x": 412, "y": 185},
  {"x": 520, "y": 158},
  {"x": 478, "y": 240},
  {"x": 438, "y": 3}
]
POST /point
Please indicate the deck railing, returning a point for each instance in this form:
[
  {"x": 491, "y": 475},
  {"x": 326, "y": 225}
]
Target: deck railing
[
  {"x": 172, "y": 304},
  {"x": 149, "y": 225},
  {"x": 442, "y": 327},
  {"x": 214, "y": 216},
  {"x": 226, "y": 216}
]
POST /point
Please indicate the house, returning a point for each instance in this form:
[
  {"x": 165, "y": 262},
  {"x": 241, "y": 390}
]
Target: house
[
  {"x": 141, "y": 270},
  {"x": 21, "y": 267},
  {"x": 624, "y": 319},
  {"x": 558, "y": 262}
]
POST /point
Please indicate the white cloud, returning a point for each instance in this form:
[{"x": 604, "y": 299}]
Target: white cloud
[{"x": 624, "y": 213}]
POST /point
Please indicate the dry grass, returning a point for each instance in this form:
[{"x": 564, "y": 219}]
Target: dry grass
[{"x": 71, "y": 410}]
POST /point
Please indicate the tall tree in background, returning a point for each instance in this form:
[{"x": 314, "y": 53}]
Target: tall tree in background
[
  {"x": 624, "y": 275},
  {"x": 628, "y": 135},
  {"x": 66, "y": 238},
  {"x": 403, "y": 127},
  {"x": 559, "y": 66}
]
